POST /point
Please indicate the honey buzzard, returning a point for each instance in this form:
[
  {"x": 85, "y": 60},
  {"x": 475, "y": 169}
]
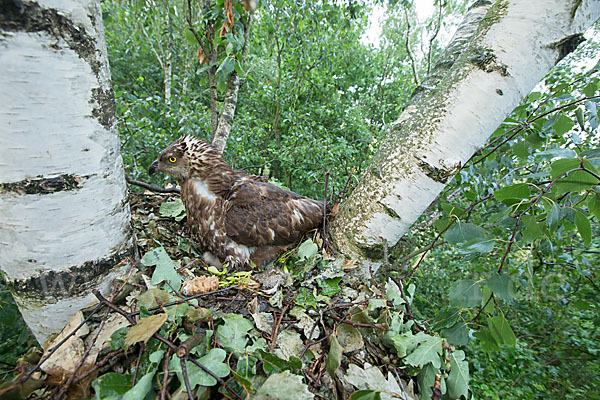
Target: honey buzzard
[{"x": 237, "y": 217}]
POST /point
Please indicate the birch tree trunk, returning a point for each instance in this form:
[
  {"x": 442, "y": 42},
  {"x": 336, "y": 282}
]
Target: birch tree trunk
[
  {"x": 65, "y": 224},
  {"x": 225, "y": 120},
  {"x": 225, "y": 123},
  {"x": 500, "y": 52}
]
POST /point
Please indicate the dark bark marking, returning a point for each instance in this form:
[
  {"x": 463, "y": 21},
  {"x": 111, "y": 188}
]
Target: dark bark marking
[
  {"x": 77, "y": 280},
  {"x": 106, "y": 111},
  {"x": 41, "y": 185},
  {"x": 440, "y": 175},
  {"x": 390, "y": 211},
  {"x": 486, "y": 60},
  {"x": 567, "y": 45}
]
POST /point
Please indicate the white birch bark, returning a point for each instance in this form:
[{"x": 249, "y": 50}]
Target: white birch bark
[
  {"x": 500, "y": 52},
  {"x": 64, "y": 216},
  {"x": 225, "y": 121},
  {"x": 227, "y": 113}
]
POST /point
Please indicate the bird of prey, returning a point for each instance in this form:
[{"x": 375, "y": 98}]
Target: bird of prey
[{"x": 238, "y": 218}]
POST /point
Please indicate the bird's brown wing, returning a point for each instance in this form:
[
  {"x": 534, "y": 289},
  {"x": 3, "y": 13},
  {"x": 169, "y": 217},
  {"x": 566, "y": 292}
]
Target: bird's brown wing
[{"x": 261, "y": 214}]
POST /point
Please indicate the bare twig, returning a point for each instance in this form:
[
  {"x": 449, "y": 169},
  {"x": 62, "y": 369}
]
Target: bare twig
[
  {"x": 184, "y": 349},
  {"x": 152, "y": 188},
  {"x": 408, "y": 50},
  {"x": 163, "y": 389},
  {"x": 435, "y": 33},
  {"x": 137, "y": 363},
  {"x": 188, "y": 389},
  {"x": 276, "y": 327}
]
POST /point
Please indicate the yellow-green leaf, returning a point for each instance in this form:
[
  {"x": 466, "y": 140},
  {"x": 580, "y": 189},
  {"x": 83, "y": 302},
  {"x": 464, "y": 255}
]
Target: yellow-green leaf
[{"x": 144, "y": 329}]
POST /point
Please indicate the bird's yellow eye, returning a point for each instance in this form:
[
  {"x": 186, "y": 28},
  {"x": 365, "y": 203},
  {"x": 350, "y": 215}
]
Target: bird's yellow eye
[{"x": 172, "y": 159}]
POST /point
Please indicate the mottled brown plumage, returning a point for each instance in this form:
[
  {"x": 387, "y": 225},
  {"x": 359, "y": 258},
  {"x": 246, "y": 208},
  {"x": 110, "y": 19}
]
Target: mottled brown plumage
[{"x": 237, "y": 217}]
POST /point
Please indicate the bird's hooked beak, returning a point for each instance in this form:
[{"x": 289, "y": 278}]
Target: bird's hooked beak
[{"x": 153, "y": 167}]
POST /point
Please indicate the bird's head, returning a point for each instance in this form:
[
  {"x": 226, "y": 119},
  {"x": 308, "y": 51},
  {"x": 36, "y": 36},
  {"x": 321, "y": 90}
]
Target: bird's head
[{"x": 187, "y": 157}]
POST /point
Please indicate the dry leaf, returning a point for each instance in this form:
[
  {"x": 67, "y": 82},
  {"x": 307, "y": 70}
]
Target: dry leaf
[
  {"x": 350, "y": 263},
  {"x": 65, "y": 360},
  {"x": 334, "y": 210},
  {"x": 200, "y": 284},
  {"x": 144, "y": 329},
  {"x": 201, "y": 56}
]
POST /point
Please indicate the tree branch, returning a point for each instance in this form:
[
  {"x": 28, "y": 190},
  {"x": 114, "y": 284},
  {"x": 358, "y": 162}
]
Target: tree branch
[{"x": 153, "y": 188}]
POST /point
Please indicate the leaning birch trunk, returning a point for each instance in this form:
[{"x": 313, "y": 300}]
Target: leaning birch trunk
[
  {"x": 500, "y": 52},
  {"x": 65, "y": 224}
]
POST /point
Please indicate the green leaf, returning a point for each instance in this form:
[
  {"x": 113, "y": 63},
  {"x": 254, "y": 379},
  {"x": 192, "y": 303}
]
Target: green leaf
[
  {"x": 445, "y": 318},
  {"x": 173, "y": 209},
  {"x": 141, "y": 388},
  {"x": 225, "y": 69},
  {"x": 487, "y": 341},
  {"x": 502, "y": 285},
  {"x": 592, "y": 155},
  {"x": 405, "y": 342},
  {"x": 553, "y": 216},
  {"x": 501, "y": 331},
  {"x": 591, "y": 88},
  {"x": 307, "y": 250},
  {"x": 232, "y": 334},
  {"x": 464, "y": 232},
  {"x": 514, "y": 193},
  {"x": 366, "y": 395},
  {"x": 426, "y": 380},
  {"x": 112, "y": 385},
  {"x": 583, "y": 227},
  {"x": 117, "y": 339},
  {"x": 427, "y": 352},
  {"x": 532, "y": 229},
  {"x": 465, "y": 293},
  {"x": 334, "y": 358},
  {"x": 580, "y": 120},
  {"x": 165, "y": 269},
  {"x": 470, "y": 238},
  {"x": 213, "y": 360},
  {"x": 330, "y": 287},
  {"x": 189, "y": 36},
  {"x": 594, "y": 205},
  {"x": 554, "y": 153},
  {"x": 458, "y": 378},
  {"x": 521, "y": 149},
  {"x": 458, "y": 334},
  {"x": 563, "y": 125},
  {"x": 575, "y": 181},
  {"x": 272, "y": 363}
]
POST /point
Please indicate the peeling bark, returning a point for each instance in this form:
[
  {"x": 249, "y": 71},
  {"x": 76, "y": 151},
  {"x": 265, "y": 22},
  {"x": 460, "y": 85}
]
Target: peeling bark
[
  {"x": 64, "y": 217},
  {"x": 499, "y": 53}
]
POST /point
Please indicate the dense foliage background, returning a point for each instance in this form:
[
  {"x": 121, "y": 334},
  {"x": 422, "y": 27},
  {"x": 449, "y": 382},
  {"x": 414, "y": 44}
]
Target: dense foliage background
[
  {"x": 510, "y": 271},
  {"x": 316, "y": 97}
]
